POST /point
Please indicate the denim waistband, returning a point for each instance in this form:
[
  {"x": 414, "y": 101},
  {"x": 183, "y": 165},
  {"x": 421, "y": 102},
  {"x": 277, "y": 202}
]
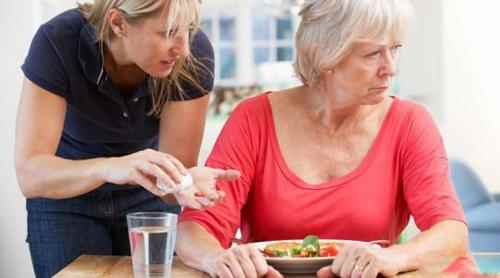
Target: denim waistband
[{"x": 103, "y": 203}]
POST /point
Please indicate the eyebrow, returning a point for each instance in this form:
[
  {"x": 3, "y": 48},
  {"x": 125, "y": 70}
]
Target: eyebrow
[{"x": 366, "y": 43}]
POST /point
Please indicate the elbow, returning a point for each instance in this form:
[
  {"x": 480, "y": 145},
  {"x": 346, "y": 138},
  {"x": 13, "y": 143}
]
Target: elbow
[
  {"x": 459, "y": 243},
  {"x": 182, "y": 243},
  {"x": 25, "y": 180},
  {"x": 463, "y": 246}
]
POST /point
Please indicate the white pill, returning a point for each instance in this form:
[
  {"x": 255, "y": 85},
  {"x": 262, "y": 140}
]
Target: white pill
[{"x": 186, "y": 182}]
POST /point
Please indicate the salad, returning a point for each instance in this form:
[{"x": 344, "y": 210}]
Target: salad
[{"x": 309, "y": 247}]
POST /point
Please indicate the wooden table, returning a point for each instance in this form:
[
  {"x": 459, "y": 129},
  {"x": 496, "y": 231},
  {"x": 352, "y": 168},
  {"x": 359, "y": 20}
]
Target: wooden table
[
  {"x": 117, "y": 267},
  {"x": 121, "y": 267}
]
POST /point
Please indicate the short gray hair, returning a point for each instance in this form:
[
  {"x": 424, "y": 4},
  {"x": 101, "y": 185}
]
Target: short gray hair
[{"x": 329, "y": 28}]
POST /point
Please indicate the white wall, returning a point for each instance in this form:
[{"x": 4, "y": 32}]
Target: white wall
[
  {"x": 16, "y": 28},
  {"x": 450, "y": 62},
  {"x": 471, "y": 84},
  {"x": 421, "y": 67}
]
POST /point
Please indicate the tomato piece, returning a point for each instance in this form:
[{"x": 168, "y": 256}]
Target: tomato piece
[{"x": 328, "y": 251}]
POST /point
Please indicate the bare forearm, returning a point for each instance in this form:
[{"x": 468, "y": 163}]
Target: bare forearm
[
  {"x": 440, "y": 244},
  {"x": 53, "y": 177},
  {"x": 196, "y": 247}
]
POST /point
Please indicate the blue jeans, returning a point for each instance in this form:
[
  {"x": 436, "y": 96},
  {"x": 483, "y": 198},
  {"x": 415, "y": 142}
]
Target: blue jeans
[{"x": 59, "y": 231}]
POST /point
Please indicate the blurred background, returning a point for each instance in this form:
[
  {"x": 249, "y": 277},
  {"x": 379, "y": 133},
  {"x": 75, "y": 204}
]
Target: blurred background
[{"x": 450, "y": 63}]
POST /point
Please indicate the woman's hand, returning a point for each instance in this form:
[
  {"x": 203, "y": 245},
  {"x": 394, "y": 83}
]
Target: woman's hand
[
  {"x": 144, "y": 168},
  {"x": 363, "y": 261},
  {"x": 240, "y": 261},
  {"x": 203, "y": 193}
]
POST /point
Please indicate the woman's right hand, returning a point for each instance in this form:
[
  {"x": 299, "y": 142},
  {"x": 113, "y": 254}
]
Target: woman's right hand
[
  {"x": 144, "y": 168},
  {"x": 241, "y": 261}
]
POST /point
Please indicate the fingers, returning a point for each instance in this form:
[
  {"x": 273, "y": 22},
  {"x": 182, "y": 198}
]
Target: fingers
[
  {"x": 340, "y": 259},
  {"x": 234, "y": 265},
  {"x": 350, "y": 266},
  {"x": 166, "y": 165},
  {"x": 242, "y": 255},
  {"x": 258, "y": 261},
  {"x": 142, "y": 180},
  {"x": 273, "y": 273},
  {"x": 180, "y": 167},
  {"x": 223, "y": 271},
  {"x": 228, "y": 175},
  {"x": 357, "y": 261},
  {"x": 325, "y": 272},
  {"x": 186, "y": 200},
  {"x": 361, "y": 265},
  {"x": 244, "y": 261},
  {"x": 371, "y": 271},
  {"x": 164, "y": 182},
  {"x": 345, "y": 264}
]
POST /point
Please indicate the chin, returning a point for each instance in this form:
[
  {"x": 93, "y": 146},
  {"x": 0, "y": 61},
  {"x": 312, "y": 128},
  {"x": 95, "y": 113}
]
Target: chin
[
  {"x": 160, "y": 74},
  {"x": 375, "y": 99}
]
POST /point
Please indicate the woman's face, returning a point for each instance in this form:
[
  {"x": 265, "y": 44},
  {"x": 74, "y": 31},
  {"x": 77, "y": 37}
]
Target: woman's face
[
  {"x": 364, "y": 75},
  {"x": 152, "y": 49}
]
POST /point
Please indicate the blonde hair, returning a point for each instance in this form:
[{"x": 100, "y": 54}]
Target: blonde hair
[
  {"x": 181, "y": 15},
  {"x": 329, "y": 28}
]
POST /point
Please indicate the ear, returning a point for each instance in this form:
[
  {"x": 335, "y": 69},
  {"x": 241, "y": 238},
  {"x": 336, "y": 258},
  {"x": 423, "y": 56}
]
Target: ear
[{"x": 117, "y": 22}]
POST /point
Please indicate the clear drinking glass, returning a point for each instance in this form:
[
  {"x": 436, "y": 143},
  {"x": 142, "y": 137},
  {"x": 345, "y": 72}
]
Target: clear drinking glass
[{"x": 152, "y": 243}]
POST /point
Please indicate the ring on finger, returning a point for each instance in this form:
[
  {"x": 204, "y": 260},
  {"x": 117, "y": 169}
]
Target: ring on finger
[{"x": 358, "y": 268}]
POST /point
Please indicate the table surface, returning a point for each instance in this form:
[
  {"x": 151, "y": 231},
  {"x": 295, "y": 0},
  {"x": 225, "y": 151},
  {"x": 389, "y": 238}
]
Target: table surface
[{"x": 121, "y": 266}]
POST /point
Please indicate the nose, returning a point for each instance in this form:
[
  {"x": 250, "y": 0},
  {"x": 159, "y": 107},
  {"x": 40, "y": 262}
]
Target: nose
[
  {"x": 181, "y": 45},
  {"x": 388, "y": 65}
]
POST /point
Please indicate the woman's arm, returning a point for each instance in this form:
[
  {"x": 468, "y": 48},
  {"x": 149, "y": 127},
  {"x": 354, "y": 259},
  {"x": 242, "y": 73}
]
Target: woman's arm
[
  {"x": 200, "y": 250},
  {"x": 432, "y": 250},
  {"x": 41, "y": 173},
  {"x": 196, "y": 247},
  {"x": 181, "y": 131},
  {"x": 443, "y": 242}
]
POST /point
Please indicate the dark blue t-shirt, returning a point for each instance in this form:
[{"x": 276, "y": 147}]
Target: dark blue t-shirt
[{"x": 100, "y": 121}]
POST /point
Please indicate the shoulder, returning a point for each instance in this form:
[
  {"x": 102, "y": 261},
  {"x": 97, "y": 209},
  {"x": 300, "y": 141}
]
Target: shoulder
[
  {"x": 415, "y": 126},
  {"x": 251, "y": 116},
  {"x": 407, "y": 113},
  {"x": 254, "y": 106},
  {"x": 410, "y": 113},
  {"x": 64, "y": 27},
  {"x": 201, "y": 47}
]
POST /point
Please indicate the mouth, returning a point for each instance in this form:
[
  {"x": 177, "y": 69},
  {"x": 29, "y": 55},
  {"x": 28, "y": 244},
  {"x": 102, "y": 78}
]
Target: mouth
[
  {"x": 169, "y": 62},
  {"x": 382, "y": 88},
  {"x": 378, "y": 90}
]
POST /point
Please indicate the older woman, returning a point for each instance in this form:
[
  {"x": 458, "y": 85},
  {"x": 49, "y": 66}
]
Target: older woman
[{"x": 336, "y": 157}]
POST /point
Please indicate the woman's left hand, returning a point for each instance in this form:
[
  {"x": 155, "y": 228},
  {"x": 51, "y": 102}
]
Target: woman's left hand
[
  {"x": 363, "y": 261},
  {"x": 204, "y": 193}
]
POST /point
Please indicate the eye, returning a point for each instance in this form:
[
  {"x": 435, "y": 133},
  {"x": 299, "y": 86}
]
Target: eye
[
  {"x": 373, "y": 54},
  {"x": 395, "y": 49},
  {"x": 192, "y": 28},
  {"x": 173, "y": 32}
]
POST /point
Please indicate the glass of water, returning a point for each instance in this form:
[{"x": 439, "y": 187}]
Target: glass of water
[{"x": 152, "y": 243}]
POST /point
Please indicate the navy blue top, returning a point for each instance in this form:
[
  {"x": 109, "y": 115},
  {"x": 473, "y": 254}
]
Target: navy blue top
[{"x": 100, "y": 121}]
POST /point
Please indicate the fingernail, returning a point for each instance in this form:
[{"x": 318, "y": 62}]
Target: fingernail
[
  {"x": 204, "y": 201},
  {"x": 200, "y": 194},
  {"x": 163, "y": 187}
]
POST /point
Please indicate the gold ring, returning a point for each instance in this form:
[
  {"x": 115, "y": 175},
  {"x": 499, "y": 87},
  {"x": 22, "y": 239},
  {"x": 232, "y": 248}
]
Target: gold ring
[{"x": 357, "y": 267}]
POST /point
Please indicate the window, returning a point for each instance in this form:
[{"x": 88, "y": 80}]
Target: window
[
  {"x": 221, "y": 30},
  {"x": 272, "y": 38}
]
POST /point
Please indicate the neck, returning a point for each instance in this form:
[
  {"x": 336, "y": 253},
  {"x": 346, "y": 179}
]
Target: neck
[
  {"x": 324, "y": 108},
  {"x": 122, "y": 71}
]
